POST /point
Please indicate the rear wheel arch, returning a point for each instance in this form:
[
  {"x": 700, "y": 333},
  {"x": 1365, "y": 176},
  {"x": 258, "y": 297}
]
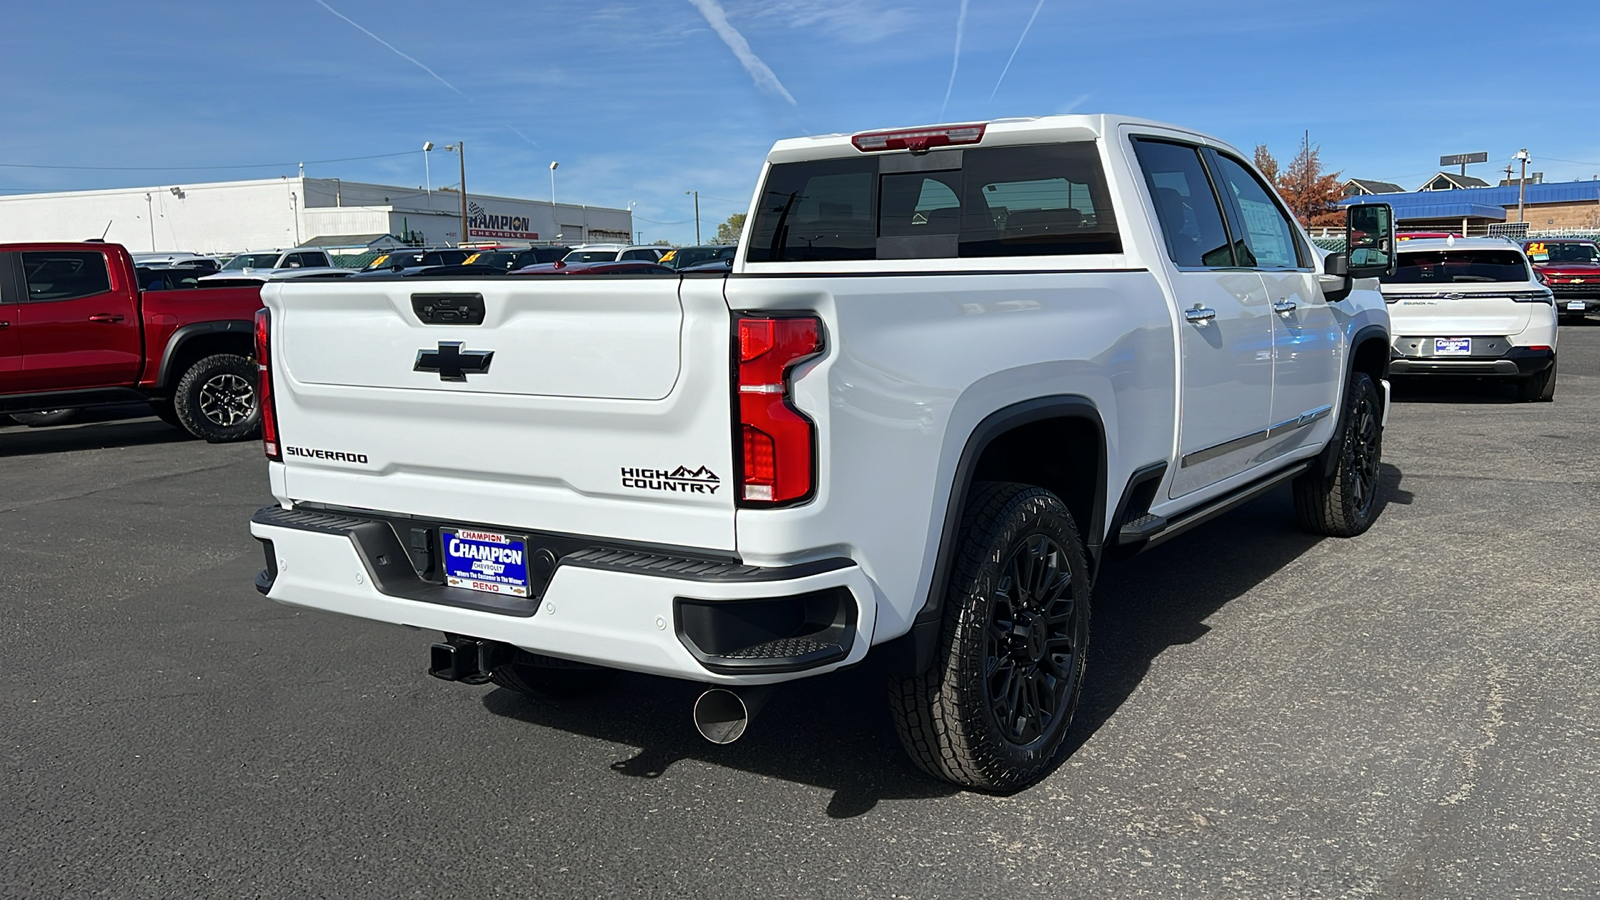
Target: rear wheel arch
[
  {"x": 194, "y": 342},
  {"x": 1009, "y": 445}
]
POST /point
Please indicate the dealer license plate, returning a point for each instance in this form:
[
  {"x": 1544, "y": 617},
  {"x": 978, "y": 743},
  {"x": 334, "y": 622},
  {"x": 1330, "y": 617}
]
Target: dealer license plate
[
  {"x": 1452, "y": 346},
  {"x": 1575, "y": 305},
  {"x": 485, "y": 561}
]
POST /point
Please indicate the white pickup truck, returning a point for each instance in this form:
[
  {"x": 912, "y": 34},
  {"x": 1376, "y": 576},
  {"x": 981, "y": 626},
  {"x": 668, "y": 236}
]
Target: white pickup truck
[{"x": 952, "y": 370}]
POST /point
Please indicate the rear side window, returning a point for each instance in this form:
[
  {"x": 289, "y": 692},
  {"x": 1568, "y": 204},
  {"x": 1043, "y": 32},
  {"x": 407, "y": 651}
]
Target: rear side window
[
  {"x": 65, "y": 275},
  {"x": 1191, "y": 221},
  {"x": 1459, "y": 267},
  {"x": 988, "y": 202}
]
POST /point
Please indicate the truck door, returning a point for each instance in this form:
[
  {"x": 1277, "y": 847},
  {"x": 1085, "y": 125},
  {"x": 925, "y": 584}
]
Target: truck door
[
  {"x": 10, "y": 349},
  {"x": 1307, "y": 352},
  {"x": 1226, "y": 329},
  {"x": 78, "y": 328}
]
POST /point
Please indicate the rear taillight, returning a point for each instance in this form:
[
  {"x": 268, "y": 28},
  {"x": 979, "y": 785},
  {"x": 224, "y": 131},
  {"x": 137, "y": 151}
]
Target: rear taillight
[
  {"x": 918, "y": 140},
  {"x": 777, "y": 441},
  {"x": 269, "y": 413}
]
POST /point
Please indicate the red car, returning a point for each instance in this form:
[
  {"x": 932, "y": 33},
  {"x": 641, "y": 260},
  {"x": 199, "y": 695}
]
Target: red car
[
  {"x": 1571, "y": 268},
  {"x": 617, "y": 267},
  {"x": 76, "y": 331}
]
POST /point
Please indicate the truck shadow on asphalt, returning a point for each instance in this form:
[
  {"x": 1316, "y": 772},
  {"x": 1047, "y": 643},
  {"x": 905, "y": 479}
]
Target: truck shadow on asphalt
[
  {"x": 96, "y": 429},
  {"x": 834, "y": 731}
]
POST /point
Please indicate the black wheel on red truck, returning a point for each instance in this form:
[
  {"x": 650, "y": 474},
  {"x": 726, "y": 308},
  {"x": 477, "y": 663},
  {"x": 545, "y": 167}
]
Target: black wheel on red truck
[{"x": 216, "y": 399}]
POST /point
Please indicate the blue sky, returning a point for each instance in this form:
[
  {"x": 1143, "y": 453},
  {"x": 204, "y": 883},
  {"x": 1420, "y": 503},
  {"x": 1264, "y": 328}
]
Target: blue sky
[{"x": 642, "y": 101}]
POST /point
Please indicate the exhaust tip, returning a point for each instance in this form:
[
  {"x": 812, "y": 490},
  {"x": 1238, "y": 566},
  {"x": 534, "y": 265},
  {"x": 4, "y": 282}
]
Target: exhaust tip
[{"x": 721, "y": 716}]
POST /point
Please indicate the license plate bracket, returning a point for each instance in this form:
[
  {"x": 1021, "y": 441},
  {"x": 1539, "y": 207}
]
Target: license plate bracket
[
  {"x": 1452, "y": 346},
  {"x": 486, "y": 561},
  {"x": 1575, "y": 305}
]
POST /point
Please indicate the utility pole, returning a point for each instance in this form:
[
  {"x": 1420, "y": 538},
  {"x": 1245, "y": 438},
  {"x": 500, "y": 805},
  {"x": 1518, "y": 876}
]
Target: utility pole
[
  {"x": 459, "y": 148},
  {"x": 696, "y": 215},
  {"x": 553, "y": 166},
  {"x": 1522, "y": 184}
]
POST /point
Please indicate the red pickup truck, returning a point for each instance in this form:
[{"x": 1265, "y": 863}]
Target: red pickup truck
[{"x": 76, "y": 331}]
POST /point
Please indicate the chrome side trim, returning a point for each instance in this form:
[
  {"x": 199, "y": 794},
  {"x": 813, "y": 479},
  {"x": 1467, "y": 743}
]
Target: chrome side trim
[{"x": 1239, "y": 443}]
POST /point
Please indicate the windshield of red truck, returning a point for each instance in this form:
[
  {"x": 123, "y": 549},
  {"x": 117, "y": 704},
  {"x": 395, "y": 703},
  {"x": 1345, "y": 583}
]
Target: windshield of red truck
[{"x": 1563, "y": 252}]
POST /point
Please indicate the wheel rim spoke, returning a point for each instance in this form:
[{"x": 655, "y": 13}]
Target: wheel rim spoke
[{"x": 1031, "y": 639}]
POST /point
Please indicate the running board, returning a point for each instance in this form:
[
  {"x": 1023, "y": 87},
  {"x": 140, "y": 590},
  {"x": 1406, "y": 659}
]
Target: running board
[{"x": 1184, "y": 521}]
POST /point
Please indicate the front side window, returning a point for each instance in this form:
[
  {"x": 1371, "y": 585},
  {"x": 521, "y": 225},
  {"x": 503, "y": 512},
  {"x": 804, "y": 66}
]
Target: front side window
[
  {"x": 1191, "y": 221},
  {"x": 314, "y": 259},
  {"x": 1268, "y": 237},
  {"x": 1458, "y": 267},
  {"x": 1048, "y": 199},
  {"x": 65, "y": 275}
]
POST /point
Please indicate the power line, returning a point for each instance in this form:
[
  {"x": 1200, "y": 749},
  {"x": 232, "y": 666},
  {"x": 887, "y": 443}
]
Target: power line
[{"x": 307, "y": 162}]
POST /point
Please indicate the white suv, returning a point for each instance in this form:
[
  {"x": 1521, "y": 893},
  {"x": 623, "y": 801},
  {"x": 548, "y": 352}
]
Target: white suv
[
  {"x": 587, "y": 253},
  {"x": 1472, "y": 306}
]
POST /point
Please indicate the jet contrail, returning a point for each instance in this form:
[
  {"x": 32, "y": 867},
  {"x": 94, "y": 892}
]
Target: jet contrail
[
  {"x": 961, "y": 26},
  {"x": 714, "y": 15},
  {"x": 1016, "y": 48},
  {"x": 411, "y": 59}
]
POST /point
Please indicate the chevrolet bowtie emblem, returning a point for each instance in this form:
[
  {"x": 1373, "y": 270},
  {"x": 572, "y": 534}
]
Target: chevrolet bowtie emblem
[{"x": 453, "y": 363}]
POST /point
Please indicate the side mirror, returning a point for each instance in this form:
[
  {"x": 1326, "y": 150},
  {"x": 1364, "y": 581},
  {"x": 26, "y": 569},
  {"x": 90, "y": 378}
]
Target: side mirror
[{"x": 1369, "y": 240}]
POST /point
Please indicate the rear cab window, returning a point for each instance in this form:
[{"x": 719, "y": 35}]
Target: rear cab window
[
  {"x": 1029, "y": 200},
  {"x": 1459, "y": 267}
]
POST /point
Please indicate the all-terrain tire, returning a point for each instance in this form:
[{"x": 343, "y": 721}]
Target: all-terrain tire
[
  {"x": 992, "y": 712},
  {"x": 1345, "y": 503},
  {"x": 216, "y": 399},
  {"x": 537, "y": 675},
  {"x": 45, "y": 418},
  {"x": 1540, "y": 387}
]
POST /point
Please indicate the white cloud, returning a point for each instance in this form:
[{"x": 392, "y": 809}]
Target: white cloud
[
  {"x": 961, "y": 27},
  {"x": 759, "y": 71},
  {"x": 1014, "y": 50},
  {"x": 851, "y": 21},
  {"x": 411, "y": 59}
]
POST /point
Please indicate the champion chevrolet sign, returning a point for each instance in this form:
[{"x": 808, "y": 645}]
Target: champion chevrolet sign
[{"x": 482, "y": 223}]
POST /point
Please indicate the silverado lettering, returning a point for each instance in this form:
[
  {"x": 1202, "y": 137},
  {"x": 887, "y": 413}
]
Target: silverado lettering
[{"x": 329, "y": 455}]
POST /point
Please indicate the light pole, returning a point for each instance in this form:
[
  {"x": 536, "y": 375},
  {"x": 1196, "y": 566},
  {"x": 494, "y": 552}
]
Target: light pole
[
  {"x": 553, "y": 166},
  {"x": 427, "y": 179},
  {"x": 460, "y": 149},
  {"x": 1522, "y": 184},
  {"x": 696, "y": 214},
  {"x": 637, "y": 235}
]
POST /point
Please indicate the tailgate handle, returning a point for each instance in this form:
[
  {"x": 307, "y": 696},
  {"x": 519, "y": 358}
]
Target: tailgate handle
[{"x": 448, "y": 309}]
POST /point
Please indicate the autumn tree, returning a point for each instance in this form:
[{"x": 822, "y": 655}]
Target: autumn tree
[
  {"x": 728, "y": 232},
  {"x": 1266, "y": 163},
  {"x": 1309, "y": 193}
]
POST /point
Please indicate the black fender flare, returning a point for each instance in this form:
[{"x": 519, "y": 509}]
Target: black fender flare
[
  {"x": 914, "y": 652},
  {"x": 1327, "y": 460},
  {"x": 165, "y": 375}
]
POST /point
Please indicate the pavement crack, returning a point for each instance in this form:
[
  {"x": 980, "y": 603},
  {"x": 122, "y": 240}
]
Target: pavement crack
[
  {"x": 113, "y": 487},
  {"x": 1493, "y": 720}
]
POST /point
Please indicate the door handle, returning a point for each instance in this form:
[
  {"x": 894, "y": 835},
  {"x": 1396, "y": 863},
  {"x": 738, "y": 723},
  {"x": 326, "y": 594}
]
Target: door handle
[
  {"x": 1284, "y": 306},
  {"x": 5, "y": 324},
  {"x": 105, "y": 317},
  {"x": 1200, "y": 315}
]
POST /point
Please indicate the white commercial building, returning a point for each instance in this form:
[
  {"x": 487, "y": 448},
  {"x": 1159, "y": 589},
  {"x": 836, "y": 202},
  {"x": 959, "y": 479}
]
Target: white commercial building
[{"x": 230, "y": 216}]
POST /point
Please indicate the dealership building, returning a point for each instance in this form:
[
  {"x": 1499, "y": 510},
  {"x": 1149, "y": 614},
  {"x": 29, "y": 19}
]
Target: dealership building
[{"x": 265, "y": 214}]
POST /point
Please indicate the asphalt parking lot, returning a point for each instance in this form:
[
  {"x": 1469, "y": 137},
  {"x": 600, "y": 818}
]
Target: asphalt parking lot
[{"x": 1412, "y": 713}]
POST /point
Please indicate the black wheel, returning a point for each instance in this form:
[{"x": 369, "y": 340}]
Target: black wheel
[
  {"x": 1345, "y": 503},
  {"x": 45, "y": 418},
  {"x": 992, "y": 712},
  {"x": 1540, "y": 387},
  {"x": 164, "y": 411},
  {"x": 537, "y": 675},
  {"x": 216, "y": 399}
]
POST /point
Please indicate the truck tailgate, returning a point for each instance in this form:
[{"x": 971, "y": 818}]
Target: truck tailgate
[{"x": 604, "y": 408}]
